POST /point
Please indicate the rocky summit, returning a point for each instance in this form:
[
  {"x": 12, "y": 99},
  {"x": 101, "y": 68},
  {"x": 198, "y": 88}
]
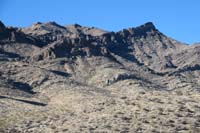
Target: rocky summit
[{"x": 74, "y": 78}]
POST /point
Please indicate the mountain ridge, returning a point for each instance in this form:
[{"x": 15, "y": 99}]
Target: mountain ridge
[
  {"x": 42, "y": 34},
  {"x": 144, "y": 47}
]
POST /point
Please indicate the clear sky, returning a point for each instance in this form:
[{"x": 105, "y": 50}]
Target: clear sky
[{"x": 179, "y": 19}]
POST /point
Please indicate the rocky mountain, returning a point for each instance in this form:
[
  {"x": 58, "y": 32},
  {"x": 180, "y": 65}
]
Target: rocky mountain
[{"x": 76, "y": 79}]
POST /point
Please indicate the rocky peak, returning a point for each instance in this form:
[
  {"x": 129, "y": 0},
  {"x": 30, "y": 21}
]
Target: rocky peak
[
  {"x": 4, "y": 32},
  {"x": 2, "y": 27},
  {"x": 77, "y": 25},
  {"x": 147, "y": 27},
  {"x": 39, "y": 28},
  {"x": 53, "y": 24},
  {"x": 77, "y": 29},
  {"x": 37, "y": 23},
  {"x": 138, "y": 32}
]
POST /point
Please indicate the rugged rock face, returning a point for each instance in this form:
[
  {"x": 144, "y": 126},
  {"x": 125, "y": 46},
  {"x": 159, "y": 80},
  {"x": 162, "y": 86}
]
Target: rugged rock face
[{"x": 84, "y": 73}]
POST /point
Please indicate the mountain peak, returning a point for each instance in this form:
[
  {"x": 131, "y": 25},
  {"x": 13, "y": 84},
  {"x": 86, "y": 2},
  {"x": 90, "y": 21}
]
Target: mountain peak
[
  {"x": 149, "y": 26},
  {"x": 139, "y": 31},
  {"x": 47, "y": 24},
  {"x": 53, "y": 24},
  {"x": 37, "y": 23},
  {"x": 2, "y": 26},
  {"x": 77, "y": 25}
]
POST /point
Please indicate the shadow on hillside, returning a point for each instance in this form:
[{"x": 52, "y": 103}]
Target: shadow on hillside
[
  {"x": 23, "y": 87},
  {"x": 60, "y": 73},
  {"x": 24, "y": 101}
]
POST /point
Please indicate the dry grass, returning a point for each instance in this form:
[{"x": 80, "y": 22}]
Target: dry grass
[{"x": 123, "y": 110}]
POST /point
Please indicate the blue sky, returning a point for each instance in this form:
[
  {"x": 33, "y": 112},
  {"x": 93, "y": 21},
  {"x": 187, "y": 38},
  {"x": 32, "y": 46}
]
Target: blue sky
[{"x": 178, "y": 19}]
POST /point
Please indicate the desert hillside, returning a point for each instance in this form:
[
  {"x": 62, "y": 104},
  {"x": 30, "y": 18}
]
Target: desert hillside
[{"x": 74, "y": 78}]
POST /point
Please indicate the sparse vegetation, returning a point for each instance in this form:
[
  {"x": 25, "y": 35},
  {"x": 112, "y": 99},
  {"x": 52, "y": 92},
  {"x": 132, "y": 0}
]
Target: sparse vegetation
[{"x": 79, "y": 79}]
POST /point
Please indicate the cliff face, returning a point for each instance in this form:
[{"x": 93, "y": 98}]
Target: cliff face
[{"x": 46, "y": 64}]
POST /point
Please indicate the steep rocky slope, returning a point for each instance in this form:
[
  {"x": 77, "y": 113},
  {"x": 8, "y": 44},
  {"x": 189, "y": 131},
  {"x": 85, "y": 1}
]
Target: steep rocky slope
[{"x": 83, "y": 79}]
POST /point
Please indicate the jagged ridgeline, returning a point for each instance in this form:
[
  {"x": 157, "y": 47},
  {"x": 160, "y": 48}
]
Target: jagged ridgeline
[{"x": 142, "y": 50}]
